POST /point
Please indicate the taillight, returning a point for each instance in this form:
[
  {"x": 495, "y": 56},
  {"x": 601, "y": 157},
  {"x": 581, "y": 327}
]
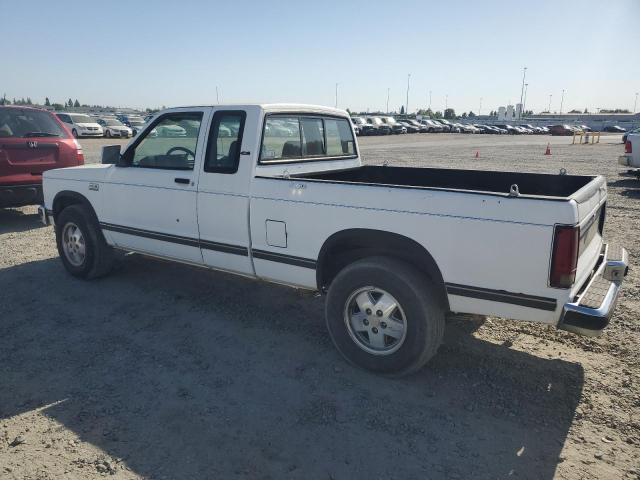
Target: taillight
[
  {"x": 564, "y": 258},
  {"x": 627, "y": 147},
  {"x": 79, "y": 152}
]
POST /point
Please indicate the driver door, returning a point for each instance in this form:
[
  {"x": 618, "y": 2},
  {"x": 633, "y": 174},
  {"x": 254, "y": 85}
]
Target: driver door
[{"x": 150, "y": 203}]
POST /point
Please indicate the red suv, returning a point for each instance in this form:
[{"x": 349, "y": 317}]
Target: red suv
[{"x": 31, "y": 141}]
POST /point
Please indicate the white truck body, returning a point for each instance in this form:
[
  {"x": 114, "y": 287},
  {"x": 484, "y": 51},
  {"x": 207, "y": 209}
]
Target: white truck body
[
  {"x": 631, "y": 157},
  {"x": 488, "y": 246}
]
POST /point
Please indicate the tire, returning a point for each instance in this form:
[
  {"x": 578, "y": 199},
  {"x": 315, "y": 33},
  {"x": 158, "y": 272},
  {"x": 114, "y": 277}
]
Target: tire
[
  {"x": 107, "y": 134},
  {"x": 95, "y": 258},
  {"x": 74, "y": 132},
  {"x": 418, "y": 307}
]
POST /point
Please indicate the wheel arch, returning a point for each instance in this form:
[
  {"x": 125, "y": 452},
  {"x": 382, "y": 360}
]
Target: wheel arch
[
  {"x": 347, "y": 246},
  {"x": 66, "y": 198}
]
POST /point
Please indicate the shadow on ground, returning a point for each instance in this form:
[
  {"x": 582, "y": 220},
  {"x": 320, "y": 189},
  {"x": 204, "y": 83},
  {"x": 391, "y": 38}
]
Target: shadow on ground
[
  {"x": 12, "y": 220},
  {"x": 186, "y": 373}
]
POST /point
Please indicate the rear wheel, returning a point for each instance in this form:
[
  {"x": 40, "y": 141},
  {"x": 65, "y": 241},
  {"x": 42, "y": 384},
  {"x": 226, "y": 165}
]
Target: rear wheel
[
  {"x": 81, "y": 245},
  {"x": 383, "y": 315},
  {"x": 107, "y": 134},
  {"x": 74, "y": 132}
]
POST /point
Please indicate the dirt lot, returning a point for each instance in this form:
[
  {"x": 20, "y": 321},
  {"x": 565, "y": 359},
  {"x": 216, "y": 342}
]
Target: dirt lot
[{"x": 163, "y": 371}]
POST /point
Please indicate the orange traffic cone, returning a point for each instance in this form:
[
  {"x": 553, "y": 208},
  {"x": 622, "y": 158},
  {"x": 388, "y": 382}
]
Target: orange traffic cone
[
  {"x": 548, "y": 150},
  {"x": 477, "y": 154}
]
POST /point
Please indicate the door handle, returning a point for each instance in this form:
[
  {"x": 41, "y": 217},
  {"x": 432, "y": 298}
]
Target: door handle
[{"x": 182, "y": 180}]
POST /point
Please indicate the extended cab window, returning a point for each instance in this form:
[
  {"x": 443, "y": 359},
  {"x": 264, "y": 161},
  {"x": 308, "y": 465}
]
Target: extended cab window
[
  {"x": 290, "y": 138},
  {"x": 170, "y": 144},
  {"x": 225, "y": 140}
]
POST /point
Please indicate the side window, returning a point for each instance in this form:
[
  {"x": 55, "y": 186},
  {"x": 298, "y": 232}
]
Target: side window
[
  {"x": 281, "y": 139},
  {"x": 339, "y": 137},
  {"x": 225, "y": 141},
  {"x": 170, "y": 144}
]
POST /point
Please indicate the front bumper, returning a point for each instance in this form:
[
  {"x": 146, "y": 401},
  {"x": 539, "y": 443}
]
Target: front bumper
[
  {"x": 591, "y": 311},
  {"x": 20, "y": 195},
  {"x": 96, "y": 133}
]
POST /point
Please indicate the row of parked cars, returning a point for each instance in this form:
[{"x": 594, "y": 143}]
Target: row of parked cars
[
  {"x": 387, "y": 125},
  {"x": 104, "y": 125}
]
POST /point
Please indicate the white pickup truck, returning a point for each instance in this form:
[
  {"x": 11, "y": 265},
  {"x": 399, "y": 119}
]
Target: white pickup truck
[
  {"x": 631, "y": 157},
  {"x": 279, "y": 193}
]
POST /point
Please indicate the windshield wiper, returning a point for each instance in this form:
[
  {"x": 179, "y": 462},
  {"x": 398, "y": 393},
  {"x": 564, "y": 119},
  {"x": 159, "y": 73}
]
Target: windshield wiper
[{"x": 40, "y": 134}]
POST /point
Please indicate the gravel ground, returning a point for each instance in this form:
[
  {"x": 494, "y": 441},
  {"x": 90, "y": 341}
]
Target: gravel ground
[{"x": 164, "y": 371}]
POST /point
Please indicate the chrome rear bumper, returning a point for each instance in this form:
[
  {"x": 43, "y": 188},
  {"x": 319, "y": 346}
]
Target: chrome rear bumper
[{"x": 591, "y": 311}]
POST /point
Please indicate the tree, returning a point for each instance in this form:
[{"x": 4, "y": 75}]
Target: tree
[
  {"x": 449, "y": 113},
  {"x": 70, "y": 103},
  {"x": 58, "y": 106},
  {"x": 402, "y": 110},
  {"x": 438, "y": 114},
  {"x": 76, "y": 104},
  {"x": 574, "y": 111},
  {"x": 464, "y": 115},
  {"x": 471, "y": 114},
  {"x": 29, "y": 102},
  {"x": 47, "y": 103}
]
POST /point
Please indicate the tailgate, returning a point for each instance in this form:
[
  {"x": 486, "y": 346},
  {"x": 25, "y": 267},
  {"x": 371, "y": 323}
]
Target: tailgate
[
  {"x": 20, "y": 156},
  {"x": 591, "y": 204}
]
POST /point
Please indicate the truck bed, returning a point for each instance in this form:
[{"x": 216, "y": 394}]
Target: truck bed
[{"x": 535, "y": 184}]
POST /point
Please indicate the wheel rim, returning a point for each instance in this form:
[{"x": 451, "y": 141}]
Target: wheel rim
[
  {"x": 73, "y": 244},
  {"x": 375, "y": 321}
]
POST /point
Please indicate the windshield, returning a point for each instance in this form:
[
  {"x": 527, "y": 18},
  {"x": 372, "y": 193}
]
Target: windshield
[
  {"x": 82, "y": 119},
  {"x": 358, "y": 121},
  {"x": 376, "y": 121},
  {"x": 136, "y": 122},
  {"x": 112, "y": 122},
  {"x": 15, "y": 122},
  {"x": 390, "y": 120}
]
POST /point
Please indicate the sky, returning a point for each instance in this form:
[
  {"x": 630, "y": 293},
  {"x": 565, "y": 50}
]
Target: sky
[{"x": 170, "y": 53}]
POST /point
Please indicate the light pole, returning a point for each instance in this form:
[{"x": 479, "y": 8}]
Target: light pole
[
  {"x": 217, "y": 95},
  {"x": 336, "y": 95},
  {"x": 430, "y": 99},
  {"x": 406, "y": 110},
  {"x": 524, "y": 75},
  {"x": 524, "y": 102},
  {"x": 446, "y": 101},
  {"x": 549, "y": 109},
  {"x": 388, "y": 90},
  {"x": 480, "y": 108},
  {"x": 561, "y": 101},
  {"x": 635, "y": 104}
]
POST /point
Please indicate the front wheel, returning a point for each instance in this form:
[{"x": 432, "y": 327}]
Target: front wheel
[
  {"x": 81, "y": 245},
  {"x": 74, "y": 132},
  {"x": 107, "y": 134},
  {"x": 384, "y": 315}
]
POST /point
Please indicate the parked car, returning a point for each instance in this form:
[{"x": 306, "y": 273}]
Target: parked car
[
  {"x": 396, "y": 127},
  {"x": 560, "y": 130},
  {"x": 421, "y": 127},
  {"x": 509, "y": 129},
  {"x": 134, "y": 122},
  {"x": 434, "y": 126},
  {"x": 363, "y": 127},
  {"x": 614, "y": 129},
  {"x": 447, "y": 126},
  {"x": 585, "y": 128},
  {"x": 379, "y": 127},
  {"x": 113, "y": 127},
  {"x": 392, "y": 264},
  {"x": 81, "y": 125},
  {"x": 31, "y": 142},
  {"x": 409, "y": 127}
]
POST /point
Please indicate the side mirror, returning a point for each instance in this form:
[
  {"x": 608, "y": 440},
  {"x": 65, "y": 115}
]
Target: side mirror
[{"x": 111, "y": 155}]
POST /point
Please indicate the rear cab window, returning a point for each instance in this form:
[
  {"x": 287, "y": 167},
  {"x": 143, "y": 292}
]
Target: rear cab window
[{"x": 292, "y": 138}]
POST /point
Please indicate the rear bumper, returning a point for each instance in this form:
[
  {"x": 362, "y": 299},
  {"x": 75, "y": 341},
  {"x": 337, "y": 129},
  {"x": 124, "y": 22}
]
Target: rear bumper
[
  {"x": 20, "y": 195},
  {"x": 624, "y": 160},
  {"x": 592, "y": 310}
]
